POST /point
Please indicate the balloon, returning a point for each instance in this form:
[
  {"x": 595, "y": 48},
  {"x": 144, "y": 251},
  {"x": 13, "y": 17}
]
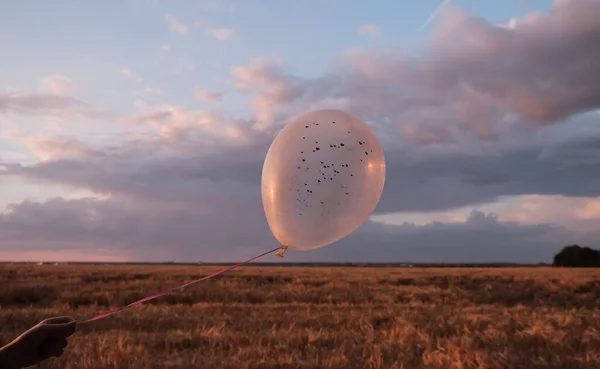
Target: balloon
[{"x": 322, "y": 178}]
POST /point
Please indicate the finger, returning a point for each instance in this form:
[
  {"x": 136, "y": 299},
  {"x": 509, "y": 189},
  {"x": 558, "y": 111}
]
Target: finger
[
  {"x": 59, "y": 330},
  {"x": 52, "y": 348}
]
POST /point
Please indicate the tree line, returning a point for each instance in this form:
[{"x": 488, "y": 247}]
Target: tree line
[{"x": 577, "y": 256}]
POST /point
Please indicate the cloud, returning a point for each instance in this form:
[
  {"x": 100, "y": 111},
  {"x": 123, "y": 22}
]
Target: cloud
[
  {"x": 48, "y": 105},
  {"x": 174, "y": 125},
  {"x": 202, "y": 168},
  {"x": 475, "y": 80},
  {"x": 58, "y": 85},
  {"x": 138, "y": 233},
  {"x": 370, "y": 30},
  {"x": 480, "y": 238},
  {"x": 207, "y": 96},
  {"x": 448, "y": 180},
  {"x": 221, "y": 34},
  {"x": 483, "y": 113},
  {"x": 129, "y": 74},
  {"x": 218, "y": 33},
  {"x": 36, "y": 103},
  {"x": 117, "y": 225},
  {"x": 176, "y": 26},
  {"x": 577, "y": 213},
  {"x": 276, "y": 88},
  {"x": 49, "y": 148}
]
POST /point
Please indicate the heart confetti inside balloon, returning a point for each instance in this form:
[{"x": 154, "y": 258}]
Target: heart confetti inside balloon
[{"x": 322, "y": 178}]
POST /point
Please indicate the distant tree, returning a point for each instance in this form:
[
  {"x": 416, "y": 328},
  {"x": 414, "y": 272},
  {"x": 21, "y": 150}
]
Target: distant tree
[{"x": 577, "y": 256}]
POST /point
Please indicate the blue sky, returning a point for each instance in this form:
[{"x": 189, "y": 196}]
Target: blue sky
[{"x": 142, "y": 81}]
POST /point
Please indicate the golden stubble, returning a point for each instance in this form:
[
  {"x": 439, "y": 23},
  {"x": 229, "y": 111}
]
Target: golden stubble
[{"x": 301, "y": 317}]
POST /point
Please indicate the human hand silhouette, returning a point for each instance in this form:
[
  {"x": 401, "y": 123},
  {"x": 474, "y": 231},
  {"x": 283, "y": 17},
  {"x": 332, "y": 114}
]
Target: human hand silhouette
[{"x": 45, "y": 340}]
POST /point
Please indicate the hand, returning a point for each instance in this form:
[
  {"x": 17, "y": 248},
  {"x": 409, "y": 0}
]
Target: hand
[{"x": 45, "y": 340}]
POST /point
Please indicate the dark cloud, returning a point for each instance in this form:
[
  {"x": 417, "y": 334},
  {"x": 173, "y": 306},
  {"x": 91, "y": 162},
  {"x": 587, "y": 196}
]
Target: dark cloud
[
  {"x": 482, "y": 238},
  {"x": 416, "y": 180},
  {"x": 150, "y": 231},
  {"x": 449, "y": 181},
  {"x": 171, "y": 234}
]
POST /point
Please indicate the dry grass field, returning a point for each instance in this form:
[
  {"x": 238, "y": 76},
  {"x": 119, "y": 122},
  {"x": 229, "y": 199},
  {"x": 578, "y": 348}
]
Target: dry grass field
[{"x": 293, "y": 317}]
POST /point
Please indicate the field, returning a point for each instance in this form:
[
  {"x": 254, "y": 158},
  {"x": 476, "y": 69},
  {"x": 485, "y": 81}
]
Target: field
[{"x": 301, "y": 317}]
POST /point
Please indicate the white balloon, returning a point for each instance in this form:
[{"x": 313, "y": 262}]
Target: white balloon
[{"x": 322, "y": 178}]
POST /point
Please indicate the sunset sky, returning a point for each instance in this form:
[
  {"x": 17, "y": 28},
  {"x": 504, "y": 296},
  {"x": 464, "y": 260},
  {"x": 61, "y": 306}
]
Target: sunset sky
[{"x": 135, "y": 130}]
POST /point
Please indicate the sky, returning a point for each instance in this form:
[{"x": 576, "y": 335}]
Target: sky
[{"x": 136, "y": 130}]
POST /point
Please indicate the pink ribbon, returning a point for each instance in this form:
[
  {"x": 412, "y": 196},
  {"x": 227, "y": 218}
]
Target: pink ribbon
[{"x": 175, "y": 289}]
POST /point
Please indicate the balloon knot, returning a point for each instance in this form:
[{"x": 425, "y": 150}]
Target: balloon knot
[{"x": 281, "y": 251}]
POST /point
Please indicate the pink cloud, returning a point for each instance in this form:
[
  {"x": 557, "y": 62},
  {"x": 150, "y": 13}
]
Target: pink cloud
[
  {"x": 221, "y": 34},
  {"x": 58, "y": 85},
  {"x": 178, "y": 125},
  {"x": 269, "y": 78}
]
